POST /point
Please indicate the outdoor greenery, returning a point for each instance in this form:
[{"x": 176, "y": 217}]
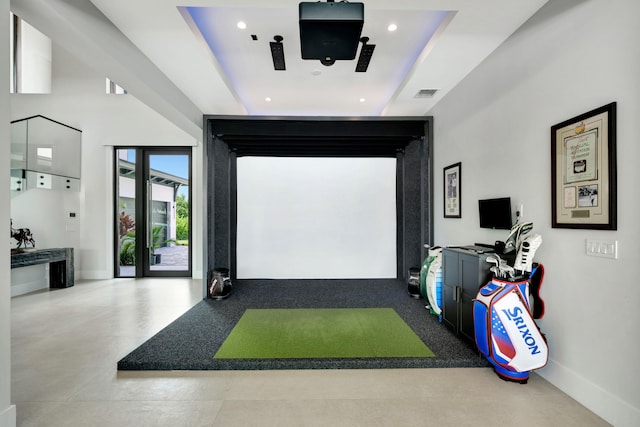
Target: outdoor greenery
[
  {"x": 128, "y": 232},
  {"x": 127, "y": 229},
  {"x": 128, "y": 250},
  {"x": 182, "y": 218},
  {"x": 157, "y": 238}
]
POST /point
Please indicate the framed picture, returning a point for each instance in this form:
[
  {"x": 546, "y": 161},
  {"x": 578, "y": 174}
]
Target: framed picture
[
  {"x": 583, "y": 171},
  {"x": 452, "y": 191}
]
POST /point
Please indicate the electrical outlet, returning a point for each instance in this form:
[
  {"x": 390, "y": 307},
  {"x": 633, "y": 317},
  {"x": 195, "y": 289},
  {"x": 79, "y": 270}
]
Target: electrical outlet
[{"x": 602, "y": 248}]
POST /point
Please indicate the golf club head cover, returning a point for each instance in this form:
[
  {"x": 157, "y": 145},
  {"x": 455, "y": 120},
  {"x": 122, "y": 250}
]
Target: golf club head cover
[
  {"x": 528, "y": 248},
  {"x": 515, "y": 236}
]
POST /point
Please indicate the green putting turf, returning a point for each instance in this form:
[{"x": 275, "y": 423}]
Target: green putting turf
[{"x": 321, "y": 333}]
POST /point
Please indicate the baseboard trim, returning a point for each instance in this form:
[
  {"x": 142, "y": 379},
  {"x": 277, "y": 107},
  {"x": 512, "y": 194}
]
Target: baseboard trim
[
  {"x": 92, "y": 275},
  {"x": 611, "y": 408},
  {"x": 25, "y": 288},
  {"x": 8, "y": 417},
  {"x": 102, "y": 275}
]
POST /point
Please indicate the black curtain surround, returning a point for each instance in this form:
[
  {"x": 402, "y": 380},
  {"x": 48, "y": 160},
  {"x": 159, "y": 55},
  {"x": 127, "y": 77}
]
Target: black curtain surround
[{"x": 408, "y": 139}]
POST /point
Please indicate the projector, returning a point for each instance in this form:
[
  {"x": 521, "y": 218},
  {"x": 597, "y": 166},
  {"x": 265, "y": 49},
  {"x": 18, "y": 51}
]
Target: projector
[{"x": 330, "y": 31}]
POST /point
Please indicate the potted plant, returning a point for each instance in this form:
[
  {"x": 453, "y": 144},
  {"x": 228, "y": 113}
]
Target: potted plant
[
  {"x": 158, "y": 241},
  {"x": 128, "y": 249}
]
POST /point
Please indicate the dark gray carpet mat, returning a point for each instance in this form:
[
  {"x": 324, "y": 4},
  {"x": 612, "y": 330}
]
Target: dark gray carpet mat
[{"x": 191, "y": 341}]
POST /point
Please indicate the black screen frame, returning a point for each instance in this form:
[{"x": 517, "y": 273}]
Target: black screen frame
[
  {"x": 495, "y": 213},
  {"x": 408, "y": 139}
]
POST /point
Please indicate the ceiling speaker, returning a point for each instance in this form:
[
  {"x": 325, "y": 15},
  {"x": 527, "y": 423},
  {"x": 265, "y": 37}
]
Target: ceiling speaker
[
  {"x": 330, "y": 31},
  {"x": 277, "y": 53},
  {"x": 365, "y": 55}
]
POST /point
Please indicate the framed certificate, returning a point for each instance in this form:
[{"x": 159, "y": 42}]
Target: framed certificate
[
  {"x": 583, "y": 171},
  {"x": 452, "y": 191}
]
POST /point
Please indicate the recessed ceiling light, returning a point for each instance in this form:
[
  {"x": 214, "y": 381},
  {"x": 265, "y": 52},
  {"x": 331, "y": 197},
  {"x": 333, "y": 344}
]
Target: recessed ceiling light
[
  {"x": 242, "y": 25},
  {"x": 267, "y": 99},
  {"x": 362, "y": 100},
  {"x": 392, "y": 27}
]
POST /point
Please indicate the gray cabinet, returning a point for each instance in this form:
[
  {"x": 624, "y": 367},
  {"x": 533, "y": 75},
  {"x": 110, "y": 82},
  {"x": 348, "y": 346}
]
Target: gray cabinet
[{"x": 464, "y": 272}]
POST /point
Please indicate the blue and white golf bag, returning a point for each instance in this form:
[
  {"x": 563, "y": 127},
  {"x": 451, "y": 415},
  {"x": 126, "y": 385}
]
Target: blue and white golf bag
[
  {"x": 505, "y": 331},
  {"x": 431, "y": 280}
]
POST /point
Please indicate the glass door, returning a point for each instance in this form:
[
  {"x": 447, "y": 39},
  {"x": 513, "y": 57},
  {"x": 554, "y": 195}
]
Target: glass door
[
  {"x": 154, "y": 215},
  {"x": 167, "y": 212}
]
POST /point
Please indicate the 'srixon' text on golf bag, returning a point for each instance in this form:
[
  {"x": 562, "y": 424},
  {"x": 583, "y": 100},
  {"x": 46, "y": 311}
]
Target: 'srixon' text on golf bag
[{"x": 505, "y": 331}]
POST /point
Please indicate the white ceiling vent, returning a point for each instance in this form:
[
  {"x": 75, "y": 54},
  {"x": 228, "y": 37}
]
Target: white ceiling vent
[{"x": 426, "y": 93}]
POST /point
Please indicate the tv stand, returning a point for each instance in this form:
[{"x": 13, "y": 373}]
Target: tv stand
[
  {"x": 464, "y": 272},
  {"x": 485, "y": 245},
  {"x": 475, "y": 249}
]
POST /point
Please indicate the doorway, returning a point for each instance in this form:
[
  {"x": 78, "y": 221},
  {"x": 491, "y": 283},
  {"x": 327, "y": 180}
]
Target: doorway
[{"x": 152, "y": 212}]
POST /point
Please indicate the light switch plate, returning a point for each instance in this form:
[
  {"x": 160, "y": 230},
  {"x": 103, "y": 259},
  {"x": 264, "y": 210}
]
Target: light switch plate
[{"x": 602, "y": 248}]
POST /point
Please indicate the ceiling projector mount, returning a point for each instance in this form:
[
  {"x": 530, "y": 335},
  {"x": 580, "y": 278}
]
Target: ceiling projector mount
[{"x": 330, "y": 32}]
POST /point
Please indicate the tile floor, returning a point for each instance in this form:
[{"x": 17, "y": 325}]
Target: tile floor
[{"x": 66, "y": 343}]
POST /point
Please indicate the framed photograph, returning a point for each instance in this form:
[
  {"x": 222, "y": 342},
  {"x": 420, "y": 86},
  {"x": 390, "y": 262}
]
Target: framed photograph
[
  {"x": 452, "y": 191},
  {"x": 583, "y": 171}
]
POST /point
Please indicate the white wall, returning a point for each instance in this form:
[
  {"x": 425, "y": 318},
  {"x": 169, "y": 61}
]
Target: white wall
[
  {"x": 571, "y": 57},
  {"x": 78, "y": 99},
  {"x": 35, "y": 60},
  {"x": 47, "y": 214},
  {"x": 35, "y": 75},
  {"x": 7, "y": 411}
]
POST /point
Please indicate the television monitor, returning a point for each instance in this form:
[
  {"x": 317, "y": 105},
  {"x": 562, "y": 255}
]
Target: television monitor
[{"x": 495, "y": 213}]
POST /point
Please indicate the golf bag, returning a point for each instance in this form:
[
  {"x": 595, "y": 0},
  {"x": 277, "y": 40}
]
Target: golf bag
[
  {"x": 505, "y": 331},
  {"x": 413, "y": 283},
  {"x": 219, "y": 284},
  {"x": 431, "y": 280}
]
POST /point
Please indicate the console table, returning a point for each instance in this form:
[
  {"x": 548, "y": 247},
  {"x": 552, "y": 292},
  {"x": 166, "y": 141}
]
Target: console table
[{"x": 60, "y": 262}]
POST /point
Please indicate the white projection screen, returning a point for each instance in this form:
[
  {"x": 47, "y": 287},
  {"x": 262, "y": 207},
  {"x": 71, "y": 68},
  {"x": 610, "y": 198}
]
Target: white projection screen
[{"x": 316, "y": 218}]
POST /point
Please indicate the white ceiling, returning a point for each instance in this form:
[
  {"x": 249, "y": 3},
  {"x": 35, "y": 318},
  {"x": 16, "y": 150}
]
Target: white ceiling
[
  {"x": 154, "y": 50},
  {"x": 306, "y": 86}
]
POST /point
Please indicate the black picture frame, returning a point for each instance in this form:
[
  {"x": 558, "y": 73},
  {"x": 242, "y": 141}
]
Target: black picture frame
[
  {"x": 583, "y": 171},
  {"x": 452, "y": 190}
]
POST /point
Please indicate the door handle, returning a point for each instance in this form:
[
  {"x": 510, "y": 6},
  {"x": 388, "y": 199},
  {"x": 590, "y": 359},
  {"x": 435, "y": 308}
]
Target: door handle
[{"x": 149, "y": 215}]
